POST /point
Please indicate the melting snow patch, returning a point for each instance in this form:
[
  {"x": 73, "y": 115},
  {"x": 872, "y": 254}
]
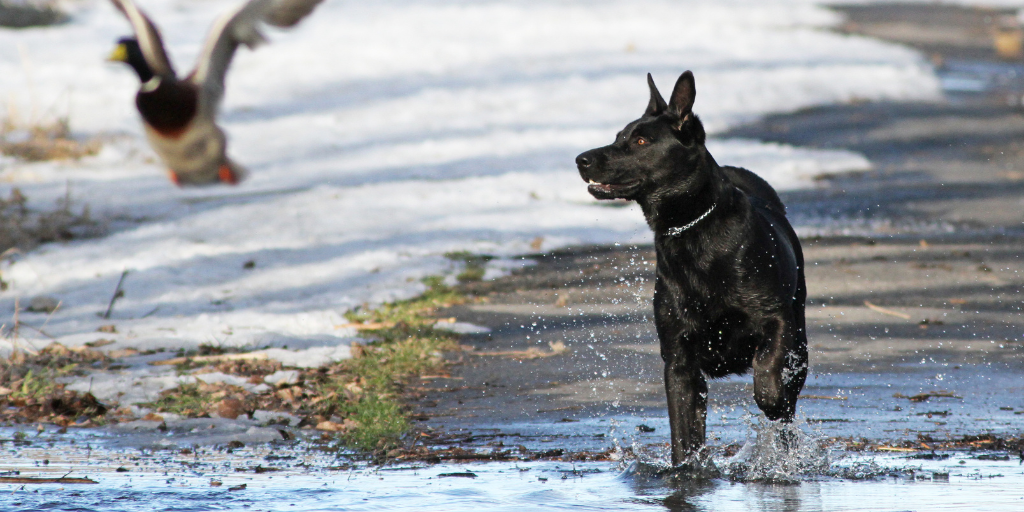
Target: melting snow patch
[
  {"x": 310, "y": 357},
  {"x": 461, "y": 327},
  {"x": 282, "y": 377}
]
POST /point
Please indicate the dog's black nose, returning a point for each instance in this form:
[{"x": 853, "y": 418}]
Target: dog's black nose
[{"x": 584, "y": 161}]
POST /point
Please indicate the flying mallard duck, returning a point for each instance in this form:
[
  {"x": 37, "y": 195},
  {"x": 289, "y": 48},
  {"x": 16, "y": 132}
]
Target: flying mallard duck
[{"x": 179, "y": 113}]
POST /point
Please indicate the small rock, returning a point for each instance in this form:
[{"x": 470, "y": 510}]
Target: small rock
[
  {"x": 43, "y": 304},
  {"x": 249, "y": 265},
  {"x": 644, "y": 428},
  {"x": 237, "y": 488},
  {"x": 229, "y": 408}
]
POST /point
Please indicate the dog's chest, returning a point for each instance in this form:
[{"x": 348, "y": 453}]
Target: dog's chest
[{"x": 717, "y": 295}]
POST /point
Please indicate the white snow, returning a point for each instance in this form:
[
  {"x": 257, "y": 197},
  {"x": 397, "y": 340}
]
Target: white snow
[
  {"x": 461, "y": 328},
  {"x": 380, "y": 136}
]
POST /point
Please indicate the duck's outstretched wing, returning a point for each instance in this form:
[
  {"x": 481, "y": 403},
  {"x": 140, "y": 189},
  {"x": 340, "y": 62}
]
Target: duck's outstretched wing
[
  {"x": 286, "y": 13},
  {"x": 148, "y": 36},
  {"x": 241, "y": 26}
]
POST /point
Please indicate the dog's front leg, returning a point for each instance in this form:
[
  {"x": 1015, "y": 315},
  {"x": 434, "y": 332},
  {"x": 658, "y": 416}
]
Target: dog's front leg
[
  {"x": 780, "y": 369},
  {"x": 687, "y": 404}
]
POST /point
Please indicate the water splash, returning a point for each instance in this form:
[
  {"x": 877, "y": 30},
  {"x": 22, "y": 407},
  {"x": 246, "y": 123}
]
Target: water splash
[
  {"x": 775, "y": 452},
  {"x": 781, "y": 453}
]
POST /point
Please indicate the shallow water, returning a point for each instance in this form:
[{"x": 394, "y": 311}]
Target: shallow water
[
  {"x": 298, "y": 477},
  {"x": 977, "y": 485}
]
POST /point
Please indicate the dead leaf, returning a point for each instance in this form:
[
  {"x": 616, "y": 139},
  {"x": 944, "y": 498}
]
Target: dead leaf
[
  {"x": 124, "y": 352},
  {"x": 357, "y": 350},
  {"x": 330, "y": 426},
  {"x": 230, "y": 408}
]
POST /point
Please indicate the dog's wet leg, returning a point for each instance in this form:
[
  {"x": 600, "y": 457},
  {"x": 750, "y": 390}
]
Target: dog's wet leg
[
  {"x": 687, "y": 392},
  {"x": 780, "y": 369}
]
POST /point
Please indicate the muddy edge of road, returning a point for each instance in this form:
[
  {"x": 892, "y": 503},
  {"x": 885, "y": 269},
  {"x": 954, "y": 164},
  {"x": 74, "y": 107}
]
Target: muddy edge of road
[{"x": 914, "y": 262}]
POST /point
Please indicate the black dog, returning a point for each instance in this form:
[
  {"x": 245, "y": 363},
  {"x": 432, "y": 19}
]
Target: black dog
[{"x": 729, "y": 294}]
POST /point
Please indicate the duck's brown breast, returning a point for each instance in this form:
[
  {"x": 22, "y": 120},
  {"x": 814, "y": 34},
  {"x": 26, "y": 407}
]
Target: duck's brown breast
[{"x": 169, "y": 108}]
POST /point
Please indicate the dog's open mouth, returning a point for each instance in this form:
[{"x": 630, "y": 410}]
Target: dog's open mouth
[{"x": 610, "y": 190}]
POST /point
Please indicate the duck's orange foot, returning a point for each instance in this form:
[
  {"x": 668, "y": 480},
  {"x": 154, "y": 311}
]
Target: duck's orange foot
[
  {"x": 228, "y": 175},
  {"x": 174, "y": 177}
]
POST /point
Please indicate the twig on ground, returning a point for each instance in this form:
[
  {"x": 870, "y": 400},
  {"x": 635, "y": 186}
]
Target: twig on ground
[
  {"x": 922, "y": 397},
  {"x": 557, "y": 347},
  {"x": 366, "y": 326},
  {"x": 43, "y": 480},
  {"x": 118, "y": 293},
  {"x": 885, "y": 311},
  {"x": 204, "y": 359}
]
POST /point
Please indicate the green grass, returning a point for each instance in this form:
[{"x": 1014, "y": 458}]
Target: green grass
[
  {"x": 381, "y": 423},
  {"x": 40, "y": 385},
  {"x": 185, "y": 400},
  {"x": 409, "y": 346},
  {"x": 475, "y": 265}
]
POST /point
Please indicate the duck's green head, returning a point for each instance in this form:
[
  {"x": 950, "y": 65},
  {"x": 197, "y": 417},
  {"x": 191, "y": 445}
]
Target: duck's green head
[{"x": 129, "y": 52}]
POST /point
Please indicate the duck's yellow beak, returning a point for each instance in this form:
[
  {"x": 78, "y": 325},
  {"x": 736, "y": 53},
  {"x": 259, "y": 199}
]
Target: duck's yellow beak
[{"x": 120, "y": 54}]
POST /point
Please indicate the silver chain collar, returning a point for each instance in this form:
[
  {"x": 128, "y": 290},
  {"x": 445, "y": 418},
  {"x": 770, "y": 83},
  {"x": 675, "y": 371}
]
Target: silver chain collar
[{"x": 679, "y": 230}]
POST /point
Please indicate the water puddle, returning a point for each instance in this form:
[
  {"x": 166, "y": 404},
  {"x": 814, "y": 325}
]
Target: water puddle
[{"x": 780, "y": 468}]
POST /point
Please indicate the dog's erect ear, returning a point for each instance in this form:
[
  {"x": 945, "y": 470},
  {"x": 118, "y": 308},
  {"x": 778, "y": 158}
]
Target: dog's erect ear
[
  {"x": 683, "y": 94},
  {"x": 657, "y": 104}
]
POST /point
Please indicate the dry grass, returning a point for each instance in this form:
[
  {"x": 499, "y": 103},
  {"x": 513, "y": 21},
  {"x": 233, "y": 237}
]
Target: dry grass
[
  {"x": 360, "y": 399},
  {"x": 22, "y": 228},
  {"x": 44, "y": 142}
]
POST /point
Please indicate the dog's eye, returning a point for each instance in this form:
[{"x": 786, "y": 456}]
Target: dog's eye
[{"x": 640, "y": 141}]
